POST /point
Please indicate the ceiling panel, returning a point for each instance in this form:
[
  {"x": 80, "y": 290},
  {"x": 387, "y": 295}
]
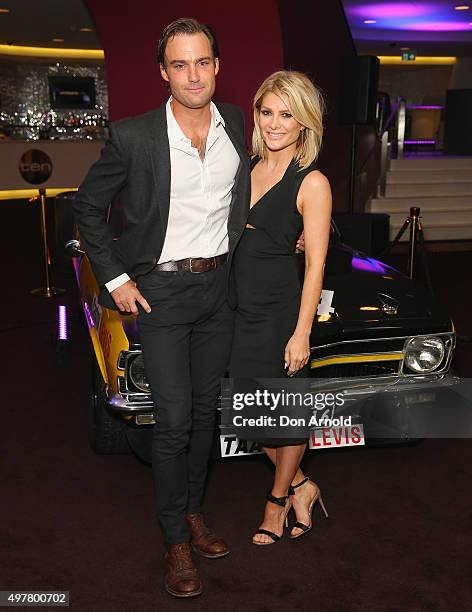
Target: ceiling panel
[
  {"x": 35, "y": 23},
  {"x": 431, "y": 27}
]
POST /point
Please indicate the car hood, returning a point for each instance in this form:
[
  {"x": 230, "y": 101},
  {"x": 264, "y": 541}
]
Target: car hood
[
  {"x": 369, "y": 299},
  {"x": 369, "y": 294}
]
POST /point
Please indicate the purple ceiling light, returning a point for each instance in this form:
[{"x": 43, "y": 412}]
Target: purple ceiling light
[
  {"x": 387, "y": 10},
  {"x": 436, "y": 26},
  {"x": 434, "y": 16}
]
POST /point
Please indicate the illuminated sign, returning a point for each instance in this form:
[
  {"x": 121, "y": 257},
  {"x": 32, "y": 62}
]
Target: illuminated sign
[{"x": 35, "y": 166}]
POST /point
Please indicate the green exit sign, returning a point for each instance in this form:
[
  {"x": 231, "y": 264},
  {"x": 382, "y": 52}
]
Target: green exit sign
[{"x": 408, "y": 56}]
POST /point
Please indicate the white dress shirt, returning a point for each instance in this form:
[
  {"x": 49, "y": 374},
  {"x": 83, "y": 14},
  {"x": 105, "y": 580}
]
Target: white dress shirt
[{"x": 200, "y": 193}]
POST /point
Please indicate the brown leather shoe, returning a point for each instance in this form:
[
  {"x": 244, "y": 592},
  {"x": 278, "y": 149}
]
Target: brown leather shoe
[
  {"x": 203, "y": 541},
  {"x": 182, "y": 579}
]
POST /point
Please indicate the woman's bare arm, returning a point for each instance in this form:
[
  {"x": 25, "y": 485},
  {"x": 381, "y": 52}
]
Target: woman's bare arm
[{"x": 314, "y": 203}]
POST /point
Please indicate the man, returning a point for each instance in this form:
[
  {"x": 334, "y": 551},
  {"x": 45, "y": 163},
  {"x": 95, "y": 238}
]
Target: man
[{"x": 182, "y": 173}]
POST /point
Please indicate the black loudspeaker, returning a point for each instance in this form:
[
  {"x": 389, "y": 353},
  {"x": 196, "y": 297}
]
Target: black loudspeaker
[
  {"x": 458, "y": 122},
  {"x": 366, "y": 232},
  {"x": 358, "y": 90}
]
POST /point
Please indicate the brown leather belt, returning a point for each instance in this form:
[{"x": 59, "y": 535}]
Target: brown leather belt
[{"x": 192, "y": 264}]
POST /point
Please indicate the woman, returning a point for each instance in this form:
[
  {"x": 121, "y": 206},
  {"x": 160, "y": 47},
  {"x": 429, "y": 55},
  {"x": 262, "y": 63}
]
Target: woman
[{"x": 274, "y": 316}]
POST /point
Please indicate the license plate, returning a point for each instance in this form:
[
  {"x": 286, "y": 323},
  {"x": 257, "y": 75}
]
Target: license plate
[
  {"x": 324, "y": 437},
  {"x": 336, "y": 437},
  {"x": 231, "y": 446}
]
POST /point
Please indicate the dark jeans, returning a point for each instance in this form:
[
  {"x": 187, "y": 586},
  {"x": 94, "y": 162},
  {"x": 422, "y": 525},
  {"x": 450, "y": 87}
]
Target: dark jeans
[{"x": 186, "y": 341}]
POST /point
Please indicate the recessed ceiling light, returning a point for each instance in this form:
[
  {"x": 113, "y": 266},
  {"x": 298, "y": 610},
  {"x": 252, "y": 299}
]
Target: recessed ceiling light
[
  {"x": 86, "y": 30},
  {"x": 404, "y": 48},
  {"x": 462, "y": 7},
  {"x": 370, "y": 21},
  {"x": 4, "y": 10},
  {"x": 57, "y": 40}
]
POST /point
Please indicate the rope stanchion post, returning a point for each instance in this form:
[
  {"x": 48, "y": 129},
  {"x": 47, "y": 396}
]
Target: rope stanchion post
[
  {"x": 414, "y": 215},
  {"x": 424, "y": 258},
  {"x": 416, "y": 240},
  {"x": 48, "y": 291}
]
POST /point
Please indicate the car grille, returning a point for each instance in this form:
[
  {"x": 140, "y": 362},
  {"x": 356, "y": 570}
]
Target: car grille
[
  {"x": 122, "y": 360},
  {"x": 358, "y": 347},
  {"x": 357, "y": 358},
  {"x": 352, "y": 370},
  {"x": 133, "y": 397},
  {"x": 122, "y": 385}
]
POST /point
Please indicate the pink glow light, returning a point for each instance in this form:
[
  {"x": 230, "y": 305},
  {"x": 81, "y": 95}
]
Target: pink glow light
[
  {"x": 419, "y": 142},
  {"x": 423, "y": 106},
  {"x": 62, "y": 323},
  {"x": 434, "y": 17},
  {"x": 392, "y": 9},
  {"x": 436, "y": 26}
]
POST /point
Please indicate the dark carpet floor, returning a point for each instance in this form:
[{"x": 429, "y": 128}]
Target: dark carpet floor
[{"x": 399, "y": 533}]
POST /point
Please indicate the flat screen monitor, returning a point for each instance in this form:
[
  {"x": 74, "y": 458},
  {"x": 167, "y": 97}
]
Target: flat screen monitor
[{"x": 72, "y": 92}]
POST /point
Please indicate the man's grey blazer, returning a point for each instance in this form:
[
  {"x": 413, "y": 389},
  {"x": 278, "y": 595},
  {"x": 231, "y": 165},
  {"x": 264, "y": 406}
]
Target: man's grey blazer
[{"x": 134, "y": 167}]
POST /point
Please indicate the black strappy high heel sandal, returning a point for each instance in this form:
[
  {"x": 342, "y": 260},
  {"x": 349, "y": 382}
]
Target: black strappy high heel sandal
[
  {"x": 317, "y": 497},
  {"x": 280, "y": 501}
]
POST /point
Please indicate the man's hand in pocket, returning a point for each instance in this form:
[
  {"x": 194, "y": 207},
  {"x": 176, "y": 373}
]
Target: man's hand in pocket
[{"x": 127, "y": 296}]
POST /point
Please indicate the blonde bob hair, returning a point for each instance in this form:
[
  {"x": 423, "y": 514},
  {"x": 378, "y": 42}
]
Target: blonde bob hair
[{"x": 305, "y": 104}]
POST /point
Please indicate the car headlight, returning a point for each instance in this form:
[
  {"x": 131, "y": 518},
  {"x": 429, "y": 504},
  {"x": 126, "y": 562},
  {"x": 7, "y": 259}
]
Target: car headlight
[
  {"x": 137, "y": 374},
  {"x": 424, "y": 354}
]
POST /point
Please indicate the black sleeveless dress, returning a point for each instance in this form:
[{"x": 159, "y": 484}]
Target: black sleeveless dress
[{"x": 268, "y": 283}]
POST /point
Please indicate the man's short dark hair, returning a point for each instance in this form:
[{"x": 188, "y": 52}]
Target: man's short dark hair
[{"x": 185, "y": 25}]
